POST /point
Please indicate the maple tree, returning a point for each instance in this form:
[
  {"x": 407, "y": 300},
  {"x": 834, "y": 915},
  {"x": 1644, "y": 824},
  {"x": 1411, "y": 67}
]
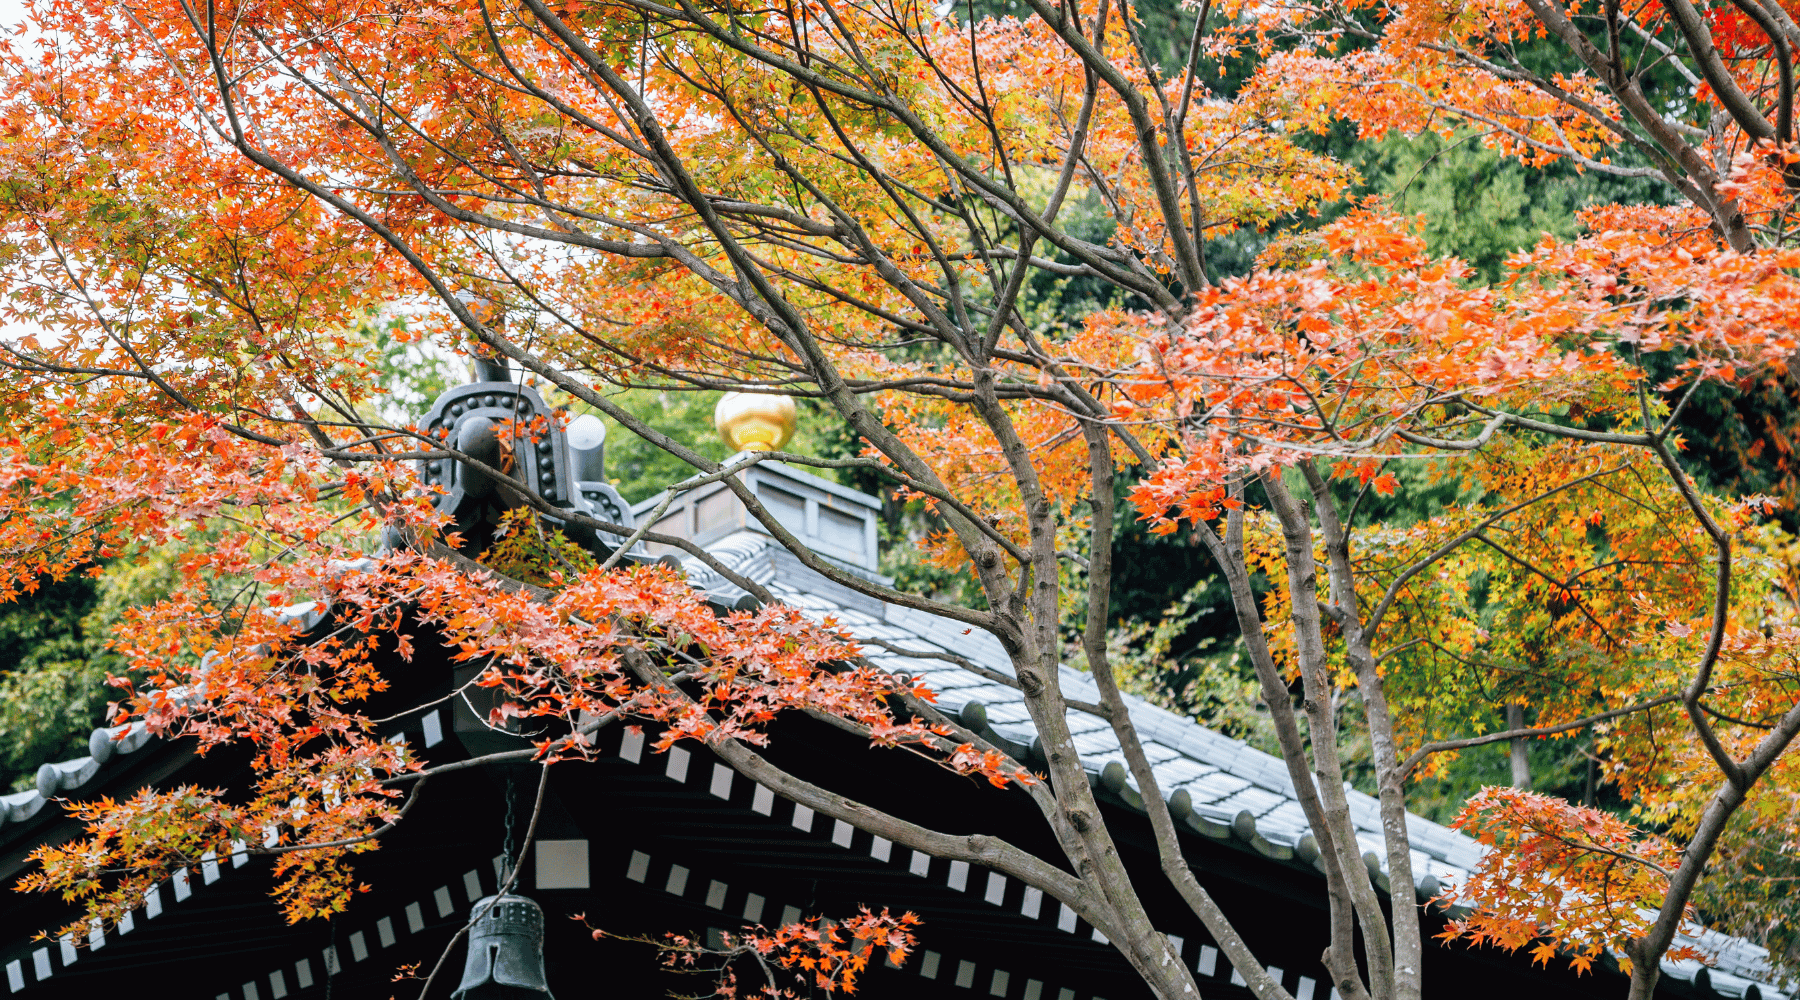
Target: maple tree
[
  {"x": 829, "y": 954},
  {"x": 856, "y": 202}
]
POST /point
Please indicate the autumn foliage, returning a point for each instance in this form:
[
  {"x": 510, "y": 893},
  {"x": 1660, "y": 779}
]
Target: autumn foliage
[
  {"x": 1609, "y": 879},
  {"x": 881, "y": 207},
  {"x": 815, "y": 953}
]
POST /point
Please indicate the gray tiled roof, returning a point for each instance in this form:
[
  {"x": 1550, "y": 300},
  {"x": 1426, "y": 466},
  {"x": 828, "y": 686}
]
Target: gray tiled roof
[
  {"x": 1226, "y": 780},
  {"x": 1234, "y": 789}
]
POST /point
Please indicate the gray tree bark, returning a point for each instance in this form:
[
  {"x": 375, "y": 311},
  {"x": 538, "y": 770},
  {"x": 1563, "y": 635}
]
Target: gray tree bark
[{"x": 1521, "y": 767}]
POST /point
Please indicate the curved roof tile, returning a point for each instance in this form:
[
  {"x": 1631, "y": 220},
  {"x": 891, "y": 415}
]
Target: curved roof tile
[{"x": 1231, "y": 788}]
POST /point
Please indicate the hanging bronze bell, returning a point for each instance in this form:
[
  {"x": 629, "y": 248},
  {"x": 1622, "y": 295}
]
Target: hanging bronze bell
[{"x": 506, "y": 952}]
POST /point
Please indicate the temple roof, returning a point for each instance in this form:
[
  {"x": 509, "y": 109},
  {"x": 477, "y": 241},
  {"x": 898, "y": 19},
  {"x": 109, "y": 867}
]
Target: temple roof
[{"x": 1222, "y": 788}]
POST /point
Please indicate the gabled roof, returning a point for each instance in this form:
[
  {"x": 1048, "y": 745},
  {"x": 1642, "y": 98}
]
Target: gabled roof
[{"x": 1222, "y": 788}]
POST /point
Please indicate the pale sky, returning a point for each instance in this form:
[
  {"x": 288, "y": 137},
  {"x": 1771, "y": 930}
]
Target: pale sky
[{"x": 11, "y": 12}]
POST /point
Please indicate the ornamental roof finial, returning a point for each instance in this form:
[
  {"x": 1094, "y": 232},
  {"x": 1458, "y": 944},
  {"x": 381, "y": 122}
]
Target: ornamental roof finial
[{"x": 750, "y": 421}]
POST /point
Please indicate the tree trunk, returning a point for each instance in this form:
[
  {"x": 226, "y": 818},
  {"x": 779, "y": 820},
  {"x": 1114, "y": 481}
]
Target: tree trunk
[
  {"x": 1521, "y": 768},
  {"x": 1592, "y": 780}
]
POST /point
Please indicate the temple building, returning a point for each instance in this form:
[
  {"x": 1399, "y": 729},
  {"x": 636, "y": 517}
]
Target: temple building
[{"x": 642, "y": 842}]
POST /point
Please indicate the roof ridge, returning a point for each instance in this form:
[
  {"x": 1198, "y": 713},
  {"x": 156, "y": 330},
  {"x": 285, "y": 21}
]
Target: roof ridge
[{"x": 1222, "y": 788}]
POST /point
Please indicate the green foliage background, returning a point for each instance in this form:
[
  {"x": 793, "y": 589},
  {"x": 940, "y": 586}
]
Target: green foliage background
[{"x": 53, "y": 645}]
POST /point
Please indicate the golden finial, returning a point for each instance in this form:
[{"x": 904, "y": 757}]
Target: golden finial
[{"x": 750, "y": 421}]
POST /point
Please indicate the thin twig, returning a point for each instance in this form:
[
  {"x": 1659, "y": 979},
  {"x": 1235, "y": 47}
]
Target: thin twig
[
  {"x": 411, "y": 800},
  {"x": 1512, "y": 734}
]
